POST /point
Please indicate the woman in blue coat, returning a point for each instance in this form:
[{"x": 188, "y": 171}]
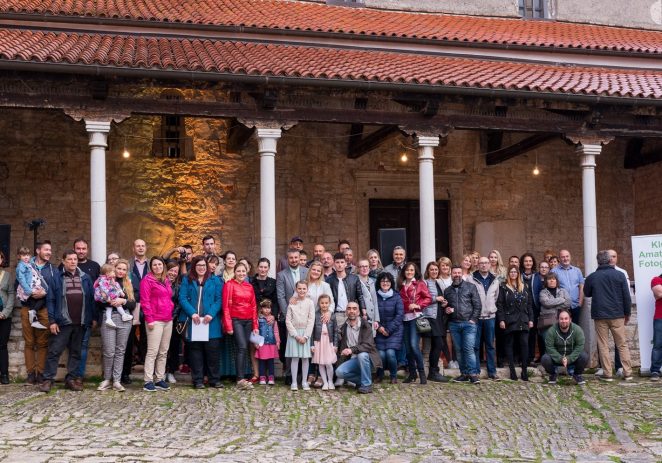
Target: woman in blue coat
[
  {"x": 200, "y": 300},
  {"x": 390, "y": 330}
]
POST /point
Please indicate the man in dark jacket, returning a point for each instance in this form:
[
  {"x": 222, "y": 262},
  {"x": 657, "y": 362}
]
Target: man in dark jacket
[
  {"x": 349, "y": 291},
  {"x": 463, "y": 307},
  {"x": 70, "y": 311},
  {"x": 564, "y": 347},
  {"x": 357, "y": 350},
  {"x": 610, "y": 309}
]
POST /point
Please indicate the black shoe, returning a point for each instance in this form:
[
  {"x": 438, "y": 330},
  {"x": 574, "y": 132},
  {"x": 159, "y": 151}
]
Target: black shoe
[
  {"x": 126, "y": 380},
  {"x": 198, "y": 386},
  {"x": 365, "y": 389},
  {"x": 421, "y": 375},
  {"x": 461, "y": 379},
  {"x": 474, "y": 379},
  {"x": 513, "y": 375},
  {"x": 493, "y": 377},
  {"x": 218, "y": 385},
  {"x": 579, "y": 380},
  {"x": 46, "y": 386},
  {"x": 32, "y": 379},
  {"x": 410, "y": 379},
  {"x": 288, "y": 380},
  {"x": 4, "y": 379},
  {"x": 552, "y": 378},
  {"x": 437, "y": 378}
]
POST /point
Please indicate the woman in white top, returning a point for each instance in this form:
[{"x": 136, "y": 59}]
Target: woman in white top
[{"x": 317, "y": 286}]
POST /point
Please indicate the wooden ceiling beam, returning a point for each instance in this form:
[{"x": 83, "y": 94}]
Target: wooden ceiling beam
[
  {"x": 364, "y": 144},
  {"x": 496, "y": 157}
]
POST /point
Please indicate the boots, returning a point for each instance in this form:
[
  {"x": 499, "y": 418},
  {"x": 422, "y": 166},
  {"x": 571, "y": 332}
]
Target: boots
[
  {"x": 525, "y": 373},
  {"x": 513, "y": 374},
  {"x": 421, "y": 375},
  {"x": 411, "y": 378}
]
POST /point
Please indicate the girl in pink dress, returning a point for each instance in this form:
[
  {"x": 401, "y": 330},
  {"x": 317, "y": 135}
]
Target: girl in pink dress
[
  {"x": 324, "y": 341},
  {"x": 267, "y": 352}
]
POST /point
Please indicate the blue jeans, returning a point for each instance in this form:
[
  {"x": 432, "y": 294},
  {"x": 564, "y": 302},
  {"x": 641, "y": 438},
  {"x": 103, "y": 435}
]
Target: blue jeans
[
  {"x": 83, "y": 353},
  {"x": 402, "y": 353},
  {"x": 357, "y": 370},
  {"x": 464, "y": 338},
  {"x": 413, "y": 343},
  {"x": 390, "y": 361},
  {"x": 485, "y": 327},
  {"x": 656, "y": 355}
]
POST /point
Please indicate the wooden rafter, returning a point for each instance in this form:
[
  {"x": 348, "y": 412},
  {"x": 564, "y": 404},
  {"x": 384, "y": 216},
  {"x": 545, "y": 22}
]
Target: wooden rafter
[
  {"x": 496, "y": 157},
  {"x": 360, "y": 145}
]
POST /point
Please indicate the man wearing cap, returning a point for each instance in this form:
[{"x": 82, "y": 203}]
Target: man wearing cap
[{"x": 295, "y": 243}]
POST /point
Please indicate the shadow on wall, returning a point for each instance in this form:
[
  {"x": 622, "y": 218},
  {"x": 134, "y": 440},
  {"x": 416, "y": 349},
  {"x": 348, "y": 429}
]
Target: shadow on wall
[{"x": 158, "y": 234}]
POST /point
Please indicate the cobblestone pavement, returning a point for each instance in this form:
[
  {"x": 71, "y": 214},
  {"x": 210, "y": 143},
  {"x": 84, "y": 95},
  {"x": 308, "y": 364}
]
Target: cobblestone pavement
[{"x": 439, "y": 422}]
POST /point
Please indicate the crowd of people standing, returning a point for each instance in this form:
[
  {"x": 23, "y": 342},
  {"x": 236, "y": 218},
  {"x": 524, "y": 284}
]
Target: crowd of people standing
[{"x": 329, "y": 318}]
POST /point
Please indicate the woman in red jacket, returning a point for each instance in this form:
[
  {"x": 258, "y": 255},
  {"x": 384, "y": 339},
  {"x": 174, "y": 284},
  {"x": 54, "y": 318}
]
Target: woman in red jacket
[
  {"x": 240, "y": 317},
  {"x": 415, "y": 296}
]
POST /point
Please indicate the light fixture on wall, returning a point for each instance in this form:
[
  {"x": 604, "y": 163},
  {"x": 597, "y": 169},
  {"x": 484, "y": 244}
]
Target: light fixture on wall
[
  {"x": 125, "y": 153},
  {"x": 536, "y": 171},
  {"x": 403, "y": 157}
]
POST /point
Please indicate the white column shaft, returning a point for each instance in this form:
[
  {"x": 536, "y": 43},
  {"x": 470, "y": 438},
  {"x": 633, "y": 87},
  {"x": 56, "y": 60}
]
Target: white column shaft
[
  {"x": 267, "y": 141},
  {"x": 98, "y": 134},
  {"x": 587, "y": 156},
  {"x": 426, "y": 197}
]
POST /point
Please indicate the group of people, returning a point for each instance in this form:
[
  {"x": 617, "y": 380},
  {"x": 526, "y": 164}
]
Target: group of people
[{"x": 329, "y": 319}]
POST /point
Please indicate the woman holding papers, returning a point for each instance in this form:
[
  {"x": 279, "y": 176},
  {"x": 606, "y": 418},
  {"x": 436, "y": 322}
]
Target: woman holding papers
[{"x": 200, "y": 300}]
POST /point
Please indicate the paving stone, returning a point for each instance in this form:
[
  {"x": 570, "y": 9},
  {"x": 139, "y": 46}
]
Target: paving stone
[{"x": 397, "y": 424}]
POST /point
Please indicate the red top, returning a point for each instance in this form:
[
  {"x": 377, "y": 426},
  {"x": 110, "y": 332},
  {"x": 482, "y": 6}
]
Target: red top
[
  {"x": 658, "y": 303},
  {"x": 416, "y": 293},
  {"x": 238, "y": 302}
]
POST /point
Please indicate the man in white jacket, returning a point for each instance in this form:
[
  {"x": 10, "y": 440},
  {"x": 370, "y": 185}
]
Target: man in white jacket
[{"x": 488, "y": 289}]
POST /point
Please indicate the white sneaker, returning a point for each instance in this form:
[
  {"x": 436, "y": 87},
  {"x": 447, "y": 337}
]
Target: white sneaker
[
  {"x": 118, "y": 387},
  {"x": 339, "y": 382},
  {"x": 170, "y": 378},
  {"x": 294, "y": 387},
  {"x": 37, "y": 325},
  {"x": 600, "y": 372},
  {"x": 325, "y": 387},
  {"x": 32, "y": 315},
  {"x": 619, "y": 373},
  {"x": 332, "y": 387},
  {"x": 127, "y": 317},
  {"x": 110, "y": 323},
  {"x": 350, "y": 384},
  {"x": 453, "y": 365},
  {"x": 305, "y": 386},
  {"x": 104, "y": 386}
]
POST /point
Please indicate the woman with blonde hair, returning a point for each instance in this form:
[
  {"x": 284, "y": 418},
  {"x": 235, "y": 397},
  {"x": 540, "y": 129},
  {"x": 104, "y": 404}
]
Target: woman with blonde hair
[
  {"x": 496, "y": 265},
  {"x": 467, "y": 265},
  {"x": 515, "y": 317},
  {"x": 114, "y": 340},
  {"x": 375, "y": 262}
]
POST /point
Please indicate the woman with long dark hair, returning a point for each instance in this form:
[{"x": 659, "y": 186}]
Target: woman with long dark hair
[
  {"x": 437, "y": 317},
  {"x": 200, "y": 299},
  {"x": 240, "y": 318},
  {"x": 415, "y": 297}
]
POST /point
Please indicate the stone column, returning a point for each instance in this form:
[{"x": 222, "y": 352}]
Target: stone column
[
  {"x": 267, "y": 138},
  {"x": 425, "y": 145},
  {"x": 98, "y": 133},
  {"x": 587, "y": 154}
]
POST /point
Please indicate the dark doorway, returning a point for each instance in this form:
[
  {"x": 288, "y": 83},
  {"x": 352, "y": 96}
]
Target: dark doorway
[{"x": 404, "y": 213}]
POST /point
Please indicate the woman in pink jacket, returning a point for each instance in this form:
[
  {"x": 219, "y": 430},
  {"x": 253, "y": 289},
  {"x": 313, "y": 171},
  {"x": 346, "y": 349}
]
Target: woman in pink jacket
[{"x": 157, "y": 306}]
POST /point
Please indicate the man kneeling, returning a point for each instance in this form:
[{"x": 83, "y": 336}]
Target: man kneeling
[
  {"x": 358, "y": 352},
  {"x": 564, "y": 346}
]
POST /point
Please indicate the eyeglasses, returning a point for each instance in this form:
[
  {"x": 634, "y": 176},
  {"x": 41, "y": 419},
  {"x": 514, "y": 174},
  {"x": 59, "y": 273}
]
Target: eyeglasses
[
  {"x": 364, "y": 266},
  {"x": 201, "y": 265}
]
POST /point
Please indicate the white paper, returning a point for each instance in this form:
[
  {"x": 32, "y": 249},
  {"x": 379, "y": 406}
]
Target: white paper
[{"x": 199, "y": 332}]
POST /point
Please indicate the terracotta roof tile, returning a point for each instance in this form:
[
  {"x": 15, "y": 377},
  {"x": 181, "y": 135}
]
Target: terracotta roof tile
[
  {"x": 215, "y": 56},
  {"x": 303, "y": 16}
]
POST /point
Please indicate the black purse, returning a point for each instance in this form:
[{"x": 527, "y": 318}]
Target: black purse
[{"x": 423, "y": 325}]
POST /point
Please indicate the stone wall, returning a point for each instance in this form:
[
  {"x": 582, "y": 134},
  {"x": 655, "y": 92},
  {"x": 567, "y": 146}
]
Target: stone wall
[
  {"x": 321, "y": 194},
  {"x": 646, "y": 195}
]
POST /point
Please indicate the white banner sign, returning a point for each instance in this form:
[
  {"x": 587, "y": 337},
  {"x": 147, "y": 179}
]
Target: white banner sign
[{"x": 647, "y": 260}]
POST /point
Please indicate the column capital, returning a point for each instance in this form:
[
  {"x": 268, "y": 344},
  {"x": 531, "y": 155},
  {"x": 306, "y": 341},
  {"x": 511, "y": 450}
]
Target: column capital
[
  {"x": 268, "y": 124},
  {"x": 588, "y": 149},
  {"x": 97, "y": 126},
  {"x": 426, "y": 140},
  {"x": 263, "y": 132},
  {"x": 588, "y": 138}
]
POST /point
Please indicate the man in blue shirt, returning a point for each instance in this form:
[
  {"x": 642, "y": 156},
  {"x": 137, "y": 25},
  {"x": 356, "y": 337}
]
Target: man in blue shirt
[{"x": 571, "y": 279}]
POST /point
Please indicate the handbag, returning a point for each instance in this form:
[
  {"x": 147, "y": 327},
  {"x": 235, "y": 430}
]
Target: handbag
[
  {"x": 423, "y": 325},
  {"x": 546, "y": 319}
]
